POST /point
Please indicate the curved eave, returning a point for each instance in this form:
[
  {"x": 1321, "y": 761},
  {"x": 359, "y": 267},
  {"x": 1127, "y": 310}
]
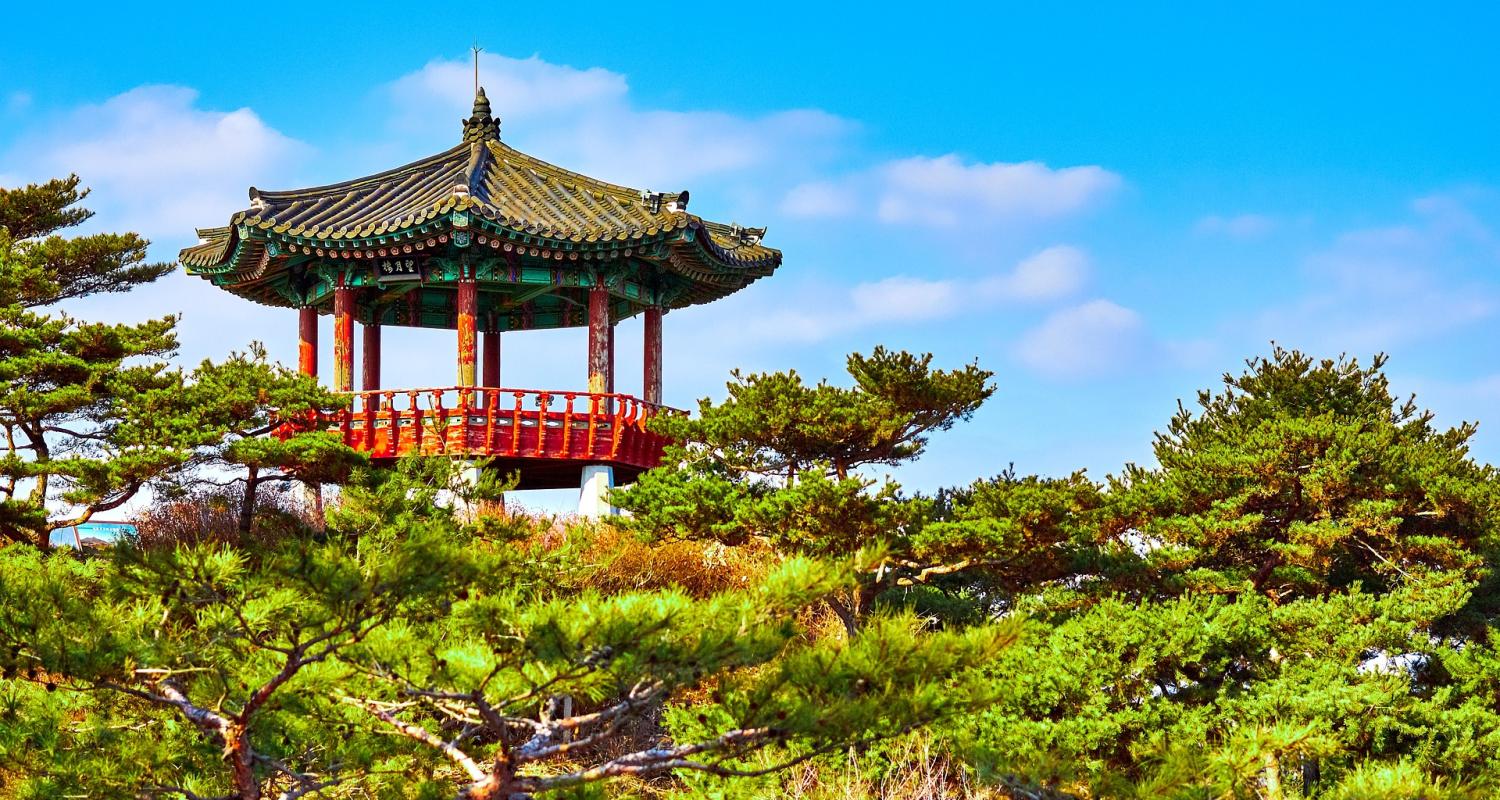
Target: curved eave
[
  {"x": 513, "y": 205},
  {"x": 696, "y": 254}
]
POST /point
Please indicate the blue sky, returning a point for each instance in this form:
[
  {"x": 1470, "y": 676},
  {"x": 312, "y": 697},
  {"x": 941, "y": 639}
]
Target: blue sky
[{"x": 1108, "y": 207}]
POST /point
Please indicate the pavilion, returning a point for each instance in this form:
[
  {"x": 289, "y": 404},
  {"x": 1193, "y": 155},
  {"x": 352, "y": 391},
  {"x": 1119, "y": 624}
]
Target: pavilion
[{"x": 485, "y": 240}]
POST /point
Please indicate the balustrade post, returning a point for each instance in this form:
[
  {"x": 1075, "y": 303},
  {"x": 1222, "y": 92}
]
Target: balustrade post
[
  {"x": 543, "y": 404},
  {"x": 416, "y": 422},
  {"x": 440, "y": 421},
  {"x": 567, "y": 436},
  {"x": 371, "y": 400},
  {"x": 515, "y": 424},
  {"x": 491, "y": 399}
]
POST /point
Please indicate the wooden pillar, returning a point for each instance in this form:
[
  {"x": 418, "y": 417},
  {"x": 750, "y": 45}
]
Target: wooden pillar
[
  {"x": 651, "y": 386},
  {"x": 599, "y": 330},
  {"x": 370, "y": 375},
  {"x": 491, "y": 359},
  {"x": 307, "y": 341},
  {"x": 609, "y": 375},
  {"x": 343, "y": 338},
  {"x": 468, "y": 308}
]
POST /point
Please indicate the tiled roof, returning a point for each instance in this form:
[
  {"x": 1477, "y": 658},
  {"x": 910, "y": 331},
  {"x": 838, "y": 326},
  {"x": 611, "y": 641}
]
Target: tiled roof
[{"x": 512, "y": 190}]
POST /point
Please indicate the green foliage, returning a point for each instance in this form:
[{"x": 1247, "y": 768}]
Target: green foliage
[
  {"x": 91, "y": 412},
  {"x": 40, "y": 268},
  {"x": 1293, "y": 603},
  {"x": 1303, "y": 476},
  {"x": 777, "y": 425},
  {"x": 343, "y": 661},
  {"x": 81, "y": 404},
  {"x": 777, "y": 461},
  {"x": 251, "y": 415},
  {"x": 1297, "y": 600}
]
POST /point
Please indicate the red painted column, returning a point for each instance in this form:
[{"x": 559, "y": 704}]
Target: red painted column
[
  {"x": 307, "y": 341},
  {"x": 651, "y": 390},
  {"x": 343, "y": 338},
  {"x": 609, "y": 377},
  {"x": 599, "y": 330},
  {"x": 468, "y": 308},
  {"x": 492, "y": 359},
  {"x": 370, "y": 375}
]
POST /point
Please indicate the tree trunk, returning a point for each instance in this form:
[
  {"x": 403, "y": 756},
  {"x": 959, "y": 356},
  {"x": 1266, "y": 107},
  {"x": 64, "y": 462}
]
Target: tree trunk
[
  {"x": 1273, "y": 776},
  {"x": 853, "y": 612},
  {"x": 316, "y": 491},
  {"x": 241, "y": 763},
  {"x": 247, "y": 504},
  {"x": 44, "y": 533}
]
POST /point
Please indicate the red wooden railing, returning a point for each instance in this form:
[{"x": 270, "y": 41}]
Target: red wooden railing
[{"x": 512, "y": 423}]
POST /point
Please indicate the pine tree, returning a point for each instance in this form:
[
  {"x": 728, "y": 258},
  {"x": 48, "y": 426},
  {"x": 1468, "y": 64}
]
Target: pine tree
[
  {"x": 405, "y": 653},
  {"x": 1303, "y": 476},
  {"x": 85, "y": 407},
  {"x": 42, "y": 268},
  {"x": 254, "y": 416},
  {"x": 781, "y": 460},
  {"x": 1295, "y": 602}
]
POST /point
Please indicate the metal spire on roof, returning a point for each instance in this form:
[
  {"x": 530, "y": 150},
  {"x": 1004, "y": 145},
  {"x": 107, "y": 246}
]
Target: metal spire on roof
[
  {"x": 482, "y": 126},
  {"x": 477, "y": 50}
]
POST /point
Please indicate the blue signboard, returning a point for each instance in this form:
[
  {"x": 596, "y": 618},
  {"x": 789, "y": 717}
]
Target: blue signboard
[{"x": 101, "y": 531}]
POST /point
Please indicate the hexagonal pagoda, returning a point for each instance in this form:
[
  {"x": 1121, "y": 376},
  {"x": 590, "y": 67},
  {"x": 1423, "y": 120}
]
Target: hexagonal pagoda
[{"x": 484, "y": 239}]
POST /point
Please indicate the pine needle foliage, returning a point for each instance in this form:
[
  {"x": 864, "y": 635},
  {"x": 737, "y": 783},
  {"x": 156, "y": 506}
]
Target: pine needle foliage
[
  {"x": 778, "y": 461},
  {"x": 405, "y": 653},
  {"x": 81, "y": 404}
]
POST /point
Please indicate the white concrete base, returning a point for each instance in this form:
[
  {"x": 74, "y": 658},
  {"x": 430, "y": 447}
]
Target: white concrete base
[
  {"x": 468, "y": 476},
  {"x": 593, "y": 492}
]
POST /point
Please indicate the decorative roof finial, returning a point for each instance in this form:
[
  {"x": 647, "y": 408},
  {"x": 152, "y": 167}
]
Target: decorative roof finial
[
  {"x": 482, "y": 125},
  {"x": 477, "y": 49}
]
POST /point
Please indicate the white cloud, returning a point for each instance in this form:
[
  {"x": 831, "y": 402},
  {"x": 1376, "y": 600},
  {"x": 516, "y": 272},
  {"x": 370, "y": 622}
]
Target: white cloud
[
  {"x": 1049, "y": 274},
  {"x": 1094, "y": 338},
  {"x": 820, "y": 199},
  {"x": 1055, "y": 272},
  {"x": 902, "y": 299},
  {"x": 1373, "y": 289},
  {"x": 1238, "y": 226},
  {"x": 584, "y": 119},
  {"x": 519, "y": 88},
  {"x": 948, "y": 192},
  {"x": 157, "y": 163}
]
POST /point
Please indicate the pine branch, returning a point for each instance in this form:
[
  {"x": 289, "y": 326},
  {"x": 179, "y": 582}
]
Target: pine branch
[
  {"x": 420, "y": 734},
  {"x": 666, "y": 759}
]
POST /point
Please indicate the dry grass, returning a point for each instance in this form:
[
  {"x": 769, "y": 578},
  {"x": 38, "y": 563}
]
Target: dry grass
[
  {"x": 214, "y": 517},
  {"x": 616, "y": 561},
  {"x": 916, "y": 769}
]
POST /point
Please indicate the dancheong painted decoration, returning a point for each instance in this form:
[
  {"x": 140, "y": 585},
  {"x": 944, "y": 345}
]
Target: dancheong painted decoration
[{"x": 484, "y": 239}]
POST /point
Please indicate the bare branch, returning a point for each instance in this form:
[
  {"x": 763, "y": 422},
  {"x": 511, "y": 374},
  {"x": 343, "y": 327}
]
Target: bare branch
[
  {"x": 663, "y": 759},
  {"x": 420, "y": 734}
]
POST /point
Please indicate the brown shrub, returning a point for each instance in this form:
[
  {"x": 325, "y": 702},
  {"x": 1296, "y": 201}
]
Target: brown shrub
[
  {"x": 917, "y": 769},
  {"x": 213, "y": 516},
  {"x": 617, "y": 561}
]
